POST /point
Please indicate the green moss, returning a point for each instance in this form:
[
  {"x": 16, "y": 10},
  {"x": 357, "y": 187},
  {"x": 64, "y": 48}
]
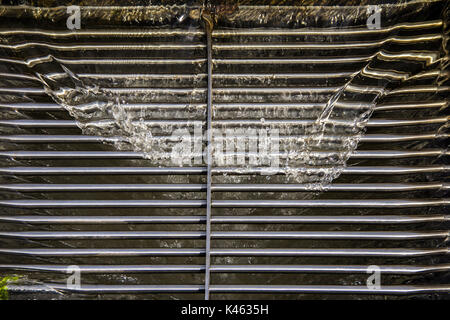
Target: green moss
[{"x": 4, "y": 286}]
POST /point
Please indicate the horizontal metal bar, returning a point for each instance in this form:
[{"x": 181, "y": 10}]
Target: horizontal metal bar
[
  {"x": 278, "y": 252},
  {"x": 400, "y": 106},
  {"x": 393, "y": 154},
  {"x": 370, "y": 154},
  {"x": 338, "y": 219},
  {"x": 46, "y": 138},
  {"x": 341, "y": 203},
  {"x": 52, "y": 288},
  {"x": 333, "y": 252},
  {"x": 106, "y": 268},
  {"x": 272, "y": 90},
  {"x": 104, "y": 235},
  {"x": 329, "y": 289},
  {"x": 107, "y": 170},
  {"x": 119, "y": 61},
  {"x": 147, "y": 32},
  {"x": 338, "y": 104},
  {"x": 167, "y": 91},
  {"x": 132, "y": 252},
  {"x": 18, "y": 76},
  {"x": 324, "y": 31},
  {"x": 360, "y": 170},
  {"x": 372, "y": 187},
  {"x": 38, "y": 91},
  {"x": 429, "y": 57},
  {"x": 367, "y": 138},
  {"x": 411, "y": 122},
  {"x": 247, "y": 122},
  {"x": 101, "y": 187},
  {"x": 285, "y": 289},
  {"x": 72, "y": 154},
  {"x": 56, "y": 107},
  {"x": 40, "y": 123},
  {"x": 329, "y": 203},
  {"x": 174, "y": 77},
  {"x": 275, "y": 61},
  {"x": 102, "y": 219},
  {"x": 279, "y": 76},
  {"x": 390, "y": 170},
  {"x": 103, "y": 203},
  {"x": 357, "y": 170},
  {"x": 420, "y": 89},
  {"x": 385, "y": 138},
  {"x": 326, "y": 45},
  {"x": 371, "y": 123},
  {"x": 32, "y": 106},
  {"x": 380, "y": 107},
  {"x": 104, "y": 47},
  {"x": 385, "y": 269},
  {"x": 348, "y": 235},
  {"x": 128, "y": 235}
]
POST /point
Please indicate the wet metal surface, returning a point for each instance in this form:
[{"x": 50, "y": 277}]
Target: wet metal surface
[{"x": 86, "y": 178}]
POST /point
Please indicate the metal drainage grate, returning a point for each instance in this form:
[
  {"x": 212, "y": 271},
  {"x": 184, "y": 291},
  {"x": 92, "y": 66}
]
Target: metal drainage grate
[{"x": 82, "y": 185}]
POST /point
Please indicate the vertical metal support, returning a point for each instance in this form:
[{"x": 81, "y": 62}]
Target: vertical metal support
[{"x": 208, "y": 27}]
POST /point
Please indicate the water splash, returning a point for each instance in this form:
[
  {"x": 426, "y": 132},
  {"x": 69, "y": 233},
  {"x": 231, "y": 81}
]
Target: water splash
[{"x": 314, "y": 153}]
